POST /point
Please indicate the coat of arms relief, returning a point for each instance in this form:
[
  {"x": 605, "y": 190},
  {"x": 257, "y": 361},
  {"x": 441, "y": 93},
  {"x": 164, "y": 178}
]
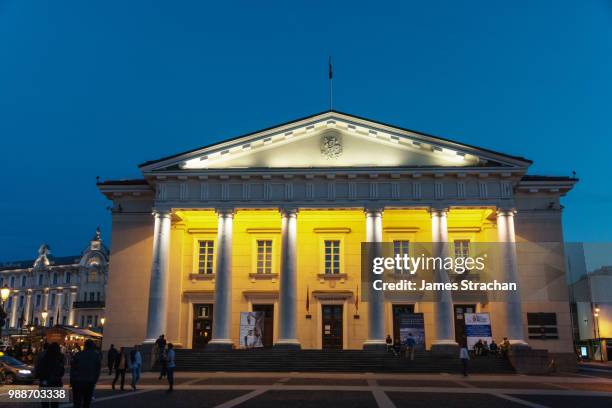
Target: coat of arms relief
[{"x": 331, "y": 146}]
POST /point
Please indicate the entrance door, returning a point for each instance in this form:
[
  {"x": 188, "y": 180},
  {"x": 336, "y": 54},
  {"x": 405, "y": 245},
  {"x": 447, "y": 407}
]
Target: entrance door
[
  {"x": 332, "y": 327},
  {"x": 460, "y": 310},
  {"x": 268, "y": 330},
  {"x": 399, "y": 310},
  {"x": 202, "y": 325}
]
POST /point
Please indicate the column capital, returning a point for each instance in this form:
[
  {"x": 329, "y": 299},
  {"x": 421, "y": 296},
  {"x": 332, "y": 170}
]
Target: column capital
[
  {"x": 161, "y": 213},
  {"x": 373, "y": 211},
  {"x": 288, "y": 211},
  {"x": 438, "y": 211},
  {"x": 225, "y": 212},
  {"x": 506, "y": 211}
]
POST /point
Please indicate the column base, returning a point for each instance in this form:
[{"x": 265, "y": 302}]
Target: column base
[
  {"x": 445, "y": 348},
  {"x": 288, "y": 344},
  {"x": 220, "y": 344},
  {"x": 375, "y": 345}
]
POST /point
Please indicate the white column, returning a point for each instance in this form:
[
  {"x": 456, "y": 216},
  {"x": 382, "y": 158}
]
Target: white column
[
  {"x": 509, "y": 271},
  {"x": 222, "y": 309},
  {"x": 28, "y": 307},
  {"x": 59, "y": 298},
  {"x": 376, "y": 300},
  {"x": 443, "y": 305},
  {"x": 288, "y": 281},
  {"x": 158, "y": 289},
  {"x": 73, "y": 298},
  {"x": 14, "y": 309}
]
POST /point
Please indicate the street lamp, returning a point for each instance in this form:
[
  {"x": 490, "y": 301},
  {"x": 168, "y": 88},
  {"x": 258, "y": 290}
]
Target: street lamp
[
  {"x": 4, "y": 294},
  {"x": 597, "y": 334},
  {"x": 44, "y": 315},
  {"x": 102, "y": 321}
]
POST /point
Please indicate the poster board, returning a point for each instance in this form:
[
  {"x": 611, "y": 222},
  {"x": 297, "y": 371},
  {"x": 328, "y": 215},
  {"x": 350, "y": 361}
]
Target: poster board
[
  {"x": 251, "y": 329},
  {"x": 412, "y": 324},
  {"x": 477, "y": 327}
]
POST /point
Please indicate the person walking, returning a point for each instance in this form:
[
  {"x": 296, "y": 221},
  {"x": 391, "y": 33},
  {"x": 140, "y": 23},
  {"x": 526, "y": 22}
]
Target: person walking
[
  {"x": 120, "y": 365},
  {"x": 410, "y": 346},
  {"x": 465, "y": 357},
  {"x": 136, "y": 365},
  {"x": 84, "y": 373},
  {"x": 111, "y": 356},
  {"x": 170, "y": 355},
  {"x": 50, "y": 370},
  {"x": 160, "y": 347}
]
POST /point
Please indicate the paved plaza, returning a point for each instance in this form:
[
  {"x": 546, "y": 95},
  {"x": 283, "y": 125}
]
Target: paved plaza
[{"x": 304, "y": 390}]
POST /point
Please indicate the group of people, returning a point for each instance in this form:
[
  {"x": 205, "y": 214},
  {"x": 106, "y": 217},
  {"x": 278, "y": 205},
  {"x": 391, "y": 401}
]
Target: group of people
[
  {"x": 121, "y": 361},
  {"x": 85, "y": 368},
  {"x": 399, "y": 349},
  {"x": 124, "y": 360},
  {"x": 481, "y": 348}
]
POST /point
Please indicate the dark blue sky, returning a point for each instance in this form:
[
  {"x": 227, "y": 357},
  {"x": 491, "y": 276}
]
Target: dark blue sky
[{"x": 94, "y": 89}]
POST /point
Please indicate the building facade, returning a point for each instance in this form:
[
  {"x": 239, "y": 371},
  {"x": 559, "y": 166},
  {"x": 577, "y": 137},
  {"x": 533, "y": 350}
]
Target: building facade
[
  {"x": 72, "y": 289},
  {"x": 273, "y": 221},
  {"x": 592, "y": 313}
]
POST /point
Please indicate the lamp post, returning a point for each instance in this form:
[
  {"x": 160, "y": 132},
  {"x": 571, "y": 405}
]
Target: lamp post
[
  {"x": 102, "y": 321},
  {"x": 44, "y": 315},
  {"x": 597, "y": 334},
  {"x": 4, "y": 294}
]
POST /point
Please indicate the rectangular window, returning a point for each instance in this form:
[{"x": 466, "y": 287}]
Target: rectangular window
[
  {"x": 89, "y": 321},
  {"x": 21, "y": 301},
  {"x": 462, "y": 248},
  {"x": 55, "y": 278},
  {"x": 83, "y": 321},
  {"x": 23, "y": 281},
  {"x": 67, "y": 277},
  {"x": 332, "y": 256},
  {"x": 264, "y": 256},
  {"x": 542, "y": 326},
  {"x": 98, "y": 296},
  {"x": 12, "y": 285},
  {"x": 40, "y": 279},
  {"x": 38, "y": 298},
  {"x": 53, "y": 299},
  {"x": 205, "y": 257},
  {"x": 91, "y": 296},
  {"x": 400, "y": 248}
]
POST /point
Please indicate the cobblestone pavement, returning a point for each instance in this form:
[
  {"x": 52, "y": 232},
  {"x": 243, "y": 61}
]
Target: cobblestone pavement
[{"x": 304, "y": 390}]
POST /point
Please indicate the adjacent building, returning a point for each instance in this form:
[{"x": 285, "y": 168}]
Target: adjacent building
[
  {"x": 273, "y": 221},
  {"x": 71, "y": 290}
]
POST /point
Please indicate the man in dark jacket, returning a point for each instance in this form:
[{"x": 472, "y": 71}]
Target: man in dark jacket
[
  {"x": 84, "y": 374},
  {"x": 111, "y": 358}
]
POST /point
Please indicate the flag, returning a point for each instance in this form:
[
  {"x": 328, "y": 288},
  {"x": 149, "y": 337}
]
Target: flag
[
  {"x": 331, "y": 73},
  {"x": 307, "y": 299},
  {"x": 357, "y": 299}
]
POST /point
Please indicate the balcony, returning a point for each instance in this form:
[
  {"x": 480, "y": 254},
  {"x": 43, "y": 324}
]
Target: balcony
[{"x": 88, "y": 304}]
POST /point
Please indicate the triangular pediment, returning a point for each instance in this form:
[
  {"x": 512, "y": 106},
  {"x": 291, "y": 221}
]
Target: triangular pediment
[{"x": 334, "y": 140}]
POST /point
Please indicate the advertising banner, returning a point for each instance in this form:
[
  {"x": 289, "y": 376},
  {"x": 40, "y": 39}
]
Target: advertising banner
[
  {"x": 251, "y": 329},
  {"x": 477, "y": 327},
  {"x": 412, "y": 325}
]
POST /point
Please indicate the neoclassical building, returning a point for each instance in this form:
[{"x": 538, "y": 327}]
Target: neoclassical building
[
  {"x": 70, "y": 289},
  {"x": 273, "y": 221}
]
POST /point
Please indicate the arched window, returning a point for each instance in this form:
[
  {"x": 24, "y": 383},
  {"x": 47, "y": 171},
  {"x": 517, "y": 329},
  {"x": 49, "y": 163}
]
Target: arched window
[{"x": 92, "y": 275}]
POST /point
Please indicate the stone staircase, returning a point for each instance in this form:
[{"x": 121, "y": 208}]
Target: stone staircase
[{"x": 272, "y": 360}]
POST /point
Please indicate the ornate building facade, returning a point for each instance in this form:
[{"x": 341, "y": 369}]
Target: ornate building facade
[
  {"x": 273, "y": 221},
  {"x": 72, "y": 289}
]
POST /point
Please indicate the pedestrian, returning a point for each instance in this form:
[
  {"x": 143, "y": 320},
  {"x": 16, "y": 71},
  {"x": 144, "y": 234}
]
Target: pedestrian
[
  {"x": 160, "y": 346},
  {"x": 465, "y": 357},
  {"x": 136, "y": 365},
  {"x": 389, "y": 342},
  {"x": 410, "y": 346},
  {"x": 111, "y": 356},
  {"x": 120, "y": 365},
  {"x": 493, "y": 347},
  {"x": 505, "y": 348},
  {"x": 170, "y": 355},
  {"x": 84, "y": 373},
  {"x": 50, "y": 370},
  {"x": 163, "y": 363},
  {"x": 485, "y": 348},
  {"x": 397, "y": 347}
]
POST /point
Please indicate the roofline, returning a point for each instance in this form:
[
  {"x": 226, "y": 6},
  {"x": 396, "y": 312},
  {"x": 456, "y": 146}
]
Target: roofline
[{"x": 150, "y": 162}]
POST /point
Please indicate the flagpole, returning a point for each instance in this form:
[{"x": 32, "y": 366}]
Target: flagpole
[{"x": 331, "y": 82}]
